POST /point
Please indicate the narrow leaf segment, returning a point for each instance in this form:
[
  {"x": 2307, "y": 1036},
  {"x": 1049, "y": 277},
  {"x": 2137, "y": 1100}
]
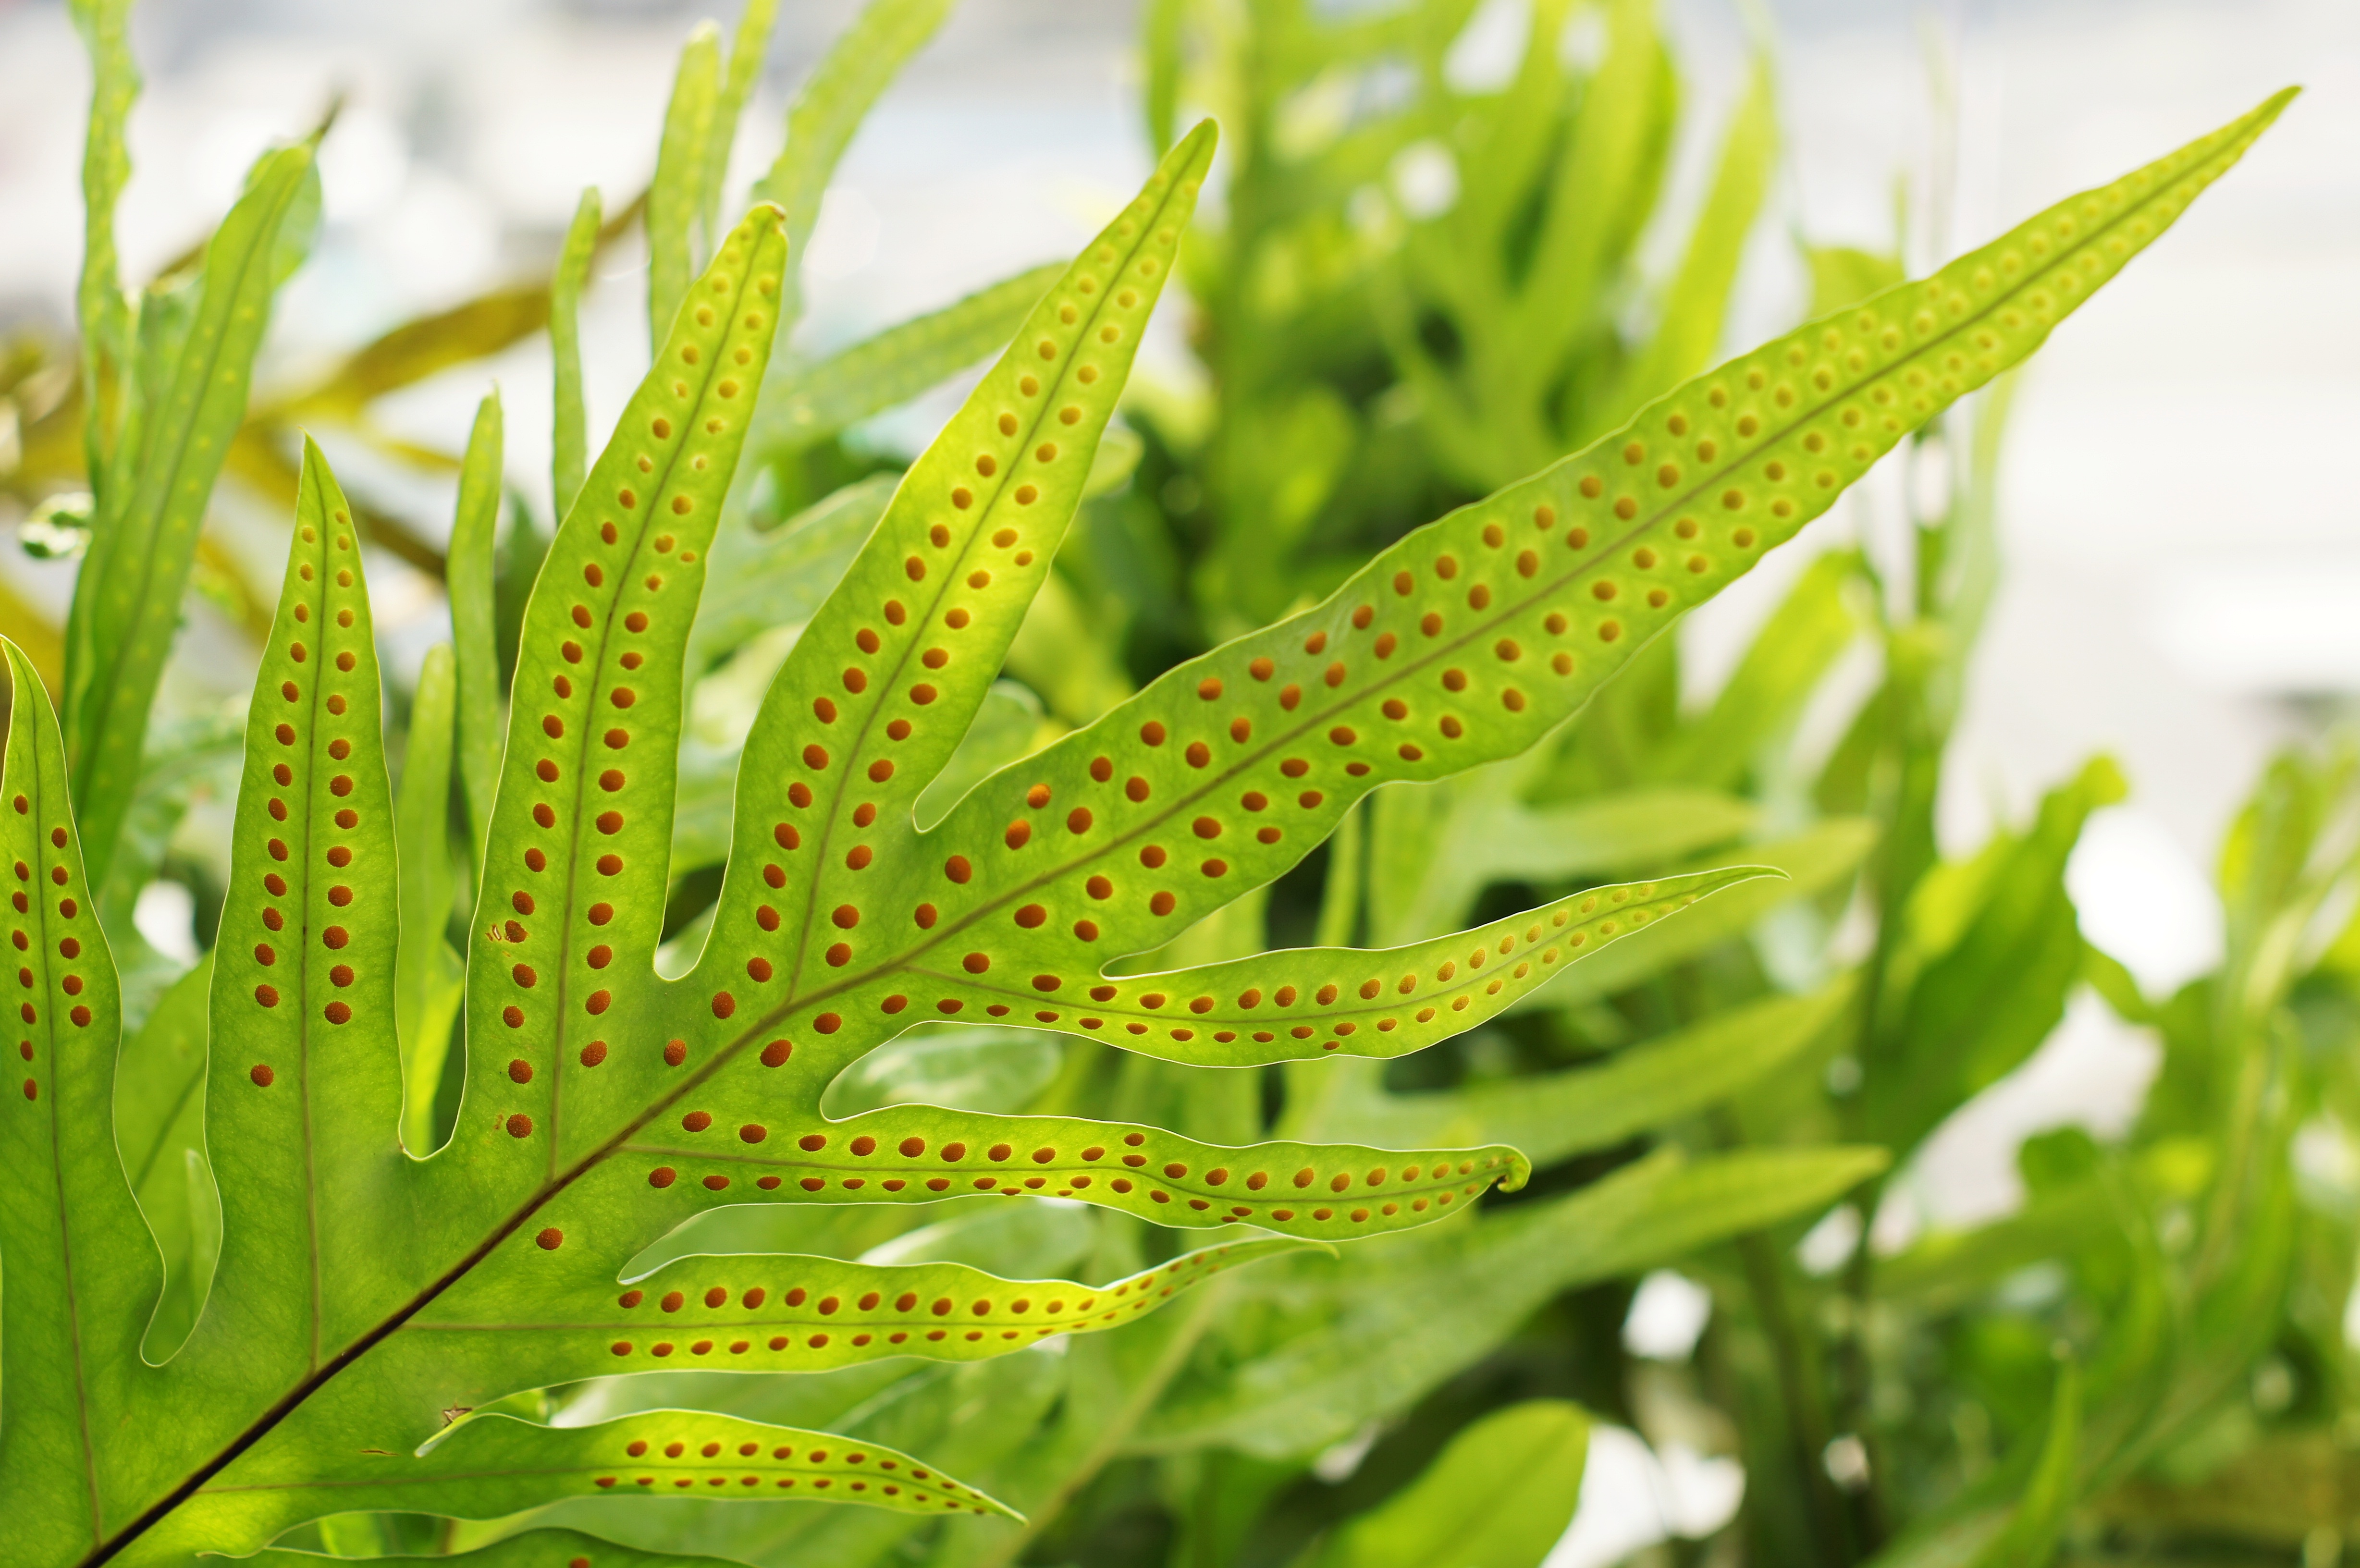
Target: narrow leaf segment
[
  {"x": 767, "y": 1314},
  {"x": 534, "y": 1548},
  {"x": 492, "y": 1465},
  {"x": 127, "y": 596},
  {"x": 1309, "y": 1002},
  {"x": 83, "y": 1273}
]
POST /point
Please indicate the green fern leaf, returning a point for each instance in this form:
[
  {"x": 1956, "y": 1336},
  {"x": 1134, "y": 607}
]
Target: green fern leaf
[
  {"x": 778, "y": 1312},
  {"x": 102, "y": 311},
  {"x": 69, "y": 1362},
  {"x": 569, "y": 438},
  {"x": 534, "y": 1548},
  {"x": 191, "y": 394},
  {"x": 830, "y": 107},
  {"x": 1376, "y": 1337},
  {"x": 427, "y": 975},
  {"x": 366, "y": 1301},
  {"x": 747, "y": 49},
  {"x": 813, "y": 402},
  {"x": 1549, "y": 1116},
  {"x": 468, "y": 574},
  {"x": 491, "y": 1465},
  {"x": 1469, "y": 1508},
  {"x": 675, "y": 197}
]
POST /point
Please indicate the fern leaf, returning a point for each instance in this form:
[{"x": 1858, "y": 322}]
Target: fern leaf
[
  {"x": 915, "y": 1154},
  {"x": 763, "y": 1313},
  {"x": 1377, "y": 1337},
  {"x": 305, "y": 1082},
  {"x": 534, "y": 1548},
  {"x": 83, "y": 1273},
  {"x": 100, "y": 308},
  {"x": 813, "y": 402},
  {"x": 492, "y": 1466},
  {"x": 426, "y": 973},
  {"x": 748, "y": 47},
  {"x": 573, "y": 880},
  {"x": 1301, "y": 1004},
  {"x": 674, "y": 198},
  {"x": 829, "y": 107},
  {"x": 127, "y": 598},
  {"x": 605, "y": 1106},
  {"x": 474, "y": 617},
  {"x": 1471, "y": 1507},
  {"x": 569, "y": 438}
]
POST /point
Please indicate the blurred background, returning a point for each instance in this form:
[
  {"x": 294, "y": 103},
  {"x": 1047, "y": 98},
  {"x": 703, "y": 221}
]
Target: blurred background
[{"x": 2182, "y": 577}]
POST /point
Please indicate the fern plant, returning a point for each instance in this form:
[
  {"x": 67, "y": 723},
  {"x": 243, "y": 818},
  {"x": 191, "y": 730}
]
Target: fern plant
[{"x": 373, "y": 1293}]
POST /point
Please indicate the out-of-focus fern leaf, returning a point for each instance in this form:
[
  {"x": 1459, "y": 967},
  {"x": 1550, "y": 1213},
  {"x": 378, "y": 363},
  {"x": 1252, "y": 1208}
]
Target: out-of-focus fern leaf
[
  {"x": 535, "y": 1549},
  {"x": 1435, "y": 845},
  {"x": 830, "y": 106},
  {"x": 1520, "y": 264},
  {"x": 676, "y": 196},
  {"x": 809, "y": 403},
  {"x": 1812, "y": 861},
  {"x": 414, "y": 350},
  {"x": 1991, "y": 950},
  {"x": 2033, "y": 1534},
  {"x": 1696, "y": 303},
  {"x": 777, "y": 578},
  {"x": 1005, "y": 728},
  {"x": 151, "y": 505},
  {"x": 1764, "y": 695},
  {"x": 1499, "y": 1497},
  {"x": 1843, "y": 275},
  {"x": 747, "y": 49},
  {"x": 569, "y": 435},
  {"x": 427, "y": 975},
  {"x": 160, "y": 1109}
]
